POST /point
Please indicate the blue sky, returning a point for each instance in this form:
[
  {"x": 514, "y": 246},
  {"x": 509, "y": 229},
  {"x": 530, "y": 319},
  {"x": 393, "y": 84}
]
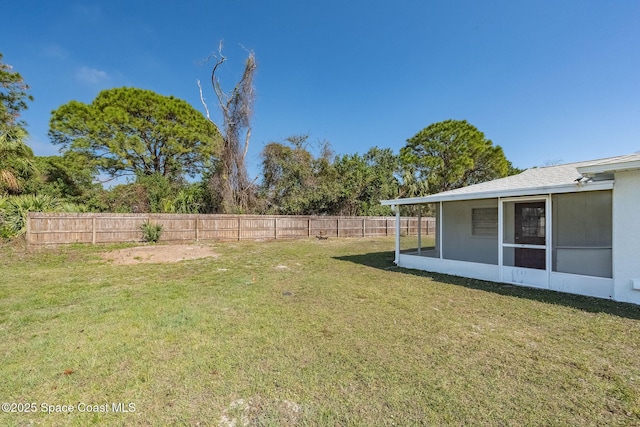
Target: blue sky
[{"x": 548, "y": 81}]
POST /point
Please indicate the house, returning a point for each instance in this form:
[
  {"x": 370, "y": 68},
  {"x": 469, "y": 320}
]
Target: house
[{"x": 571, "y": 228}]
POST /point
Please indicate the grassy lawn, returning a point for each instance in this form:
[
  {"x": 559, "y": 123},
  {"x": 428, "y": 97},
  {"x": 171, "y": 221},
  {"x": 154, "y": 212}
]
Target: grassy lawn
[{"x": 304, "y": 332}]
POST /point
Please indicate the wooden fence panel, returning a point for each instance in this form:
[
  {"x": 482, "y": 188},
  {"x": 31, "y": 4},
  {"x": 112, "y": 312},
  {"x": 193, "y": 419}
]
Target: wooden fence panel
[
  {"x": 177, "y": 228},
  {"x": 118, "y": 229},
  {"x": 324, "y": 226},
  {"x": 60, "y": 228},
  {"x": 350, "y": 227},
  {"x": 292, "y": 227},
  {"x": 68, "y": 230},
  {"x": 219, "y": 228},
  {"x": 375, "y": 227},
  {"x": 256, "y": 228}
]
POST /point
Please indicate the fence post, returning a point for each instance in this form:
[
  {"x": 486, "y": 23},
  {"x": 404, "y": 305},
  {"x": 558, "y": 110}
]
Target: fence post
[
  {"x": 275, "y": 228},
  {"x": 239, "y": 227},
  {"x": 93, "y": 229},
  {"x": 338, "y": 227},
  {"x": 364, "y": 227},
  {"x": 197, "y": 221},
  {"x": 29, "y": 236}
]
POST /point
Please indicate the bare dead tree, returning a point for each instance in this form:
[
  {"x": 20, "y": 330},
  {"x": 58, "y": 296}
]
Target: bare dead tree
[{"x": 229, "y": 182}]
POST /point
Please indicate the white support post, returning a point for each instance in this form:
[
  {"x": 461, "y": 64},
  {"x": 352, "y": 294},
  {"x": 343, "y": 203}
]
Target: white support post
[
  {"x": 548, "y": 212},
  {"x": 440, "y": 232},
  {"x": 397, "y": 210},
  {"x": 419, "y": 229},
  {"x": 500, "y": 236}
]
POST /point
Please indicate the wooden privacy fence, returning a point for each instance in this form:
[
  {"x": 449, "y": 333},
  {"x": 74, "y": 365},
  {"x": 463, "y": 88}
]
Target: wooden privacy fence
[{"x": 59, "y": 227}]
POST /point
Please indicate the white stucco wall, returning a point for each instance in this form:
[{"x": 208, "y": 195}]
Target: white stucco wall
[{"x": 626, "y": 236}]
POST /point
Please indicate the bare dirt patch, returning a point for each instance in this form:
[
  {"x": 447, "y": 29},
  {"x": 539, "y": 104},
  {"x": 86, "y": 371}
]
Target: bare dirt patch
[{"x": 158, "y": 254}]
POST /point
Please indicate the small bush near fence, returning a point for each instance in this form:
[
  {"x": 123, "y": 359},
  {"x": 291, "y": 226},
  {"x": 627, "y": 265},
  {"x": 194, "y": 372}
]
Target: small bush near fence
[
  {"x": 151, "y": 232},
  {"x": 60, "y": 228}
]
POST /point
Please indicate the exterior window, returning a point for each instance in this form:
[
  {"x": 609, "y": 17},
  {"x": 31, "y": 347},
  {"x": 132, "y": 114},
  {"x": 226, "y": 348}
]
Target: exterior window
[
  {"x": 484, "y": 222},
  {"x": 530, "y": 222}
]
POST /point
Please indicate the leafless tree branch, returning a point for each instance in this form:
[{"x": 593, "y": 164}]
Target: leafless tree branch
[
  {"x": 215, "y": 83},
  {"x": 230, "y": 181},
  {"x": 204, "y": 104},
  {"x": 246, "y": 144}
]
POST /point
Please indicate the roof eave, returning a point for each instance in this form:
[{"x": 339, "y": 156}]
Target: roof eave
[
  {"x": 407, "y": 201},
  {"x": 532, "y": 191},
  {"x": 610, "y": 167}
]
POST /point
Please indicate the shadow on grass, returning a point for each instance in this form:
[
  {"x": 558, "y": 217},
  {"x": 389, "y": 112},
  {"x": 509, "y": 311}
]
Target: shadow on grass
[{"x": 384, "y": 261}]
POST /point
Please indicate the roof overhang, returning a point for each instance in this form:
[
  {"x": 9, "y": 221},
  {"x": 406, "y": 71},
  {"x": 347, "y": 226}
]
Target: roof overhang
[
  {"x": 609, "y": 167},
  {"x": 518, "y": 192}
]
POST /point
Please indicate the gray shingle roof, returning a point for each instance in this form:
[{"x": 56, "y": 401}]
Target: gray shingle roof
[
  {"x": 541, "y": 180},
  {"x": 531, "y": 178}
]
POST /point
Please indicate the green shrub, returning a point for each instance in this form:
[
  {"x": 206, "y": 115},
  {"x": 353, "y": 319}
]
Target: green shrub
[
  {"x": 14, "y": 209},
  {"x": 151, "y": 232}
]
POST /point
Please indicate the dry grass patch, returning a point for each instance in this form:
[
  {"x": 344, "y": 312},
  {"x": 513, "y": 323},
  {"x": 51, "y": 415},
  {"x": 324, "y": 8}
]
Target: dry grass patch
[{"x": 158, "y": 254}]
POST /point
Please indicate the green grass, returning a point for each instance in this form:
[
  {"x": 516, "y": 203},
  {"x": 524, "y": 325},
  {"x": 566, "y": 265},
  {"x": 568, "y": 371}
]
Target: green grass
[{"x": 305, "y": 333}]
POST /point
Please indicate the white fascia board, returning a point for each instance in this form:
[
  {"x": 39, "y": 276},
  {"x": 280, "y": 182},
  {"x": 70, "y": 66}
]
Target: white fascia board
[
  {"x": 407, "y": 201},
  {"x": 551, "y": 189},
  {"x": 609, "y": 167}
]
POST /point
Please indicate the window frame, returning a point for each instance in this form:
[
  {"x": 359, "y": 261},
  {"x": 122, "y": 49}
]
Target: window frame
[{"x": 484, "y": 218}]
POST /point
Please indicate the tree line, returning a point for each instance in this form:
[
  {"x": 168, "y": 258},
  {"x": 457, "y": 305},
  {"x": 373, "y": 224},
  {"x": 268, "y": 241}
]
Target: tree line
[{"x": 177, "y": 160}]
